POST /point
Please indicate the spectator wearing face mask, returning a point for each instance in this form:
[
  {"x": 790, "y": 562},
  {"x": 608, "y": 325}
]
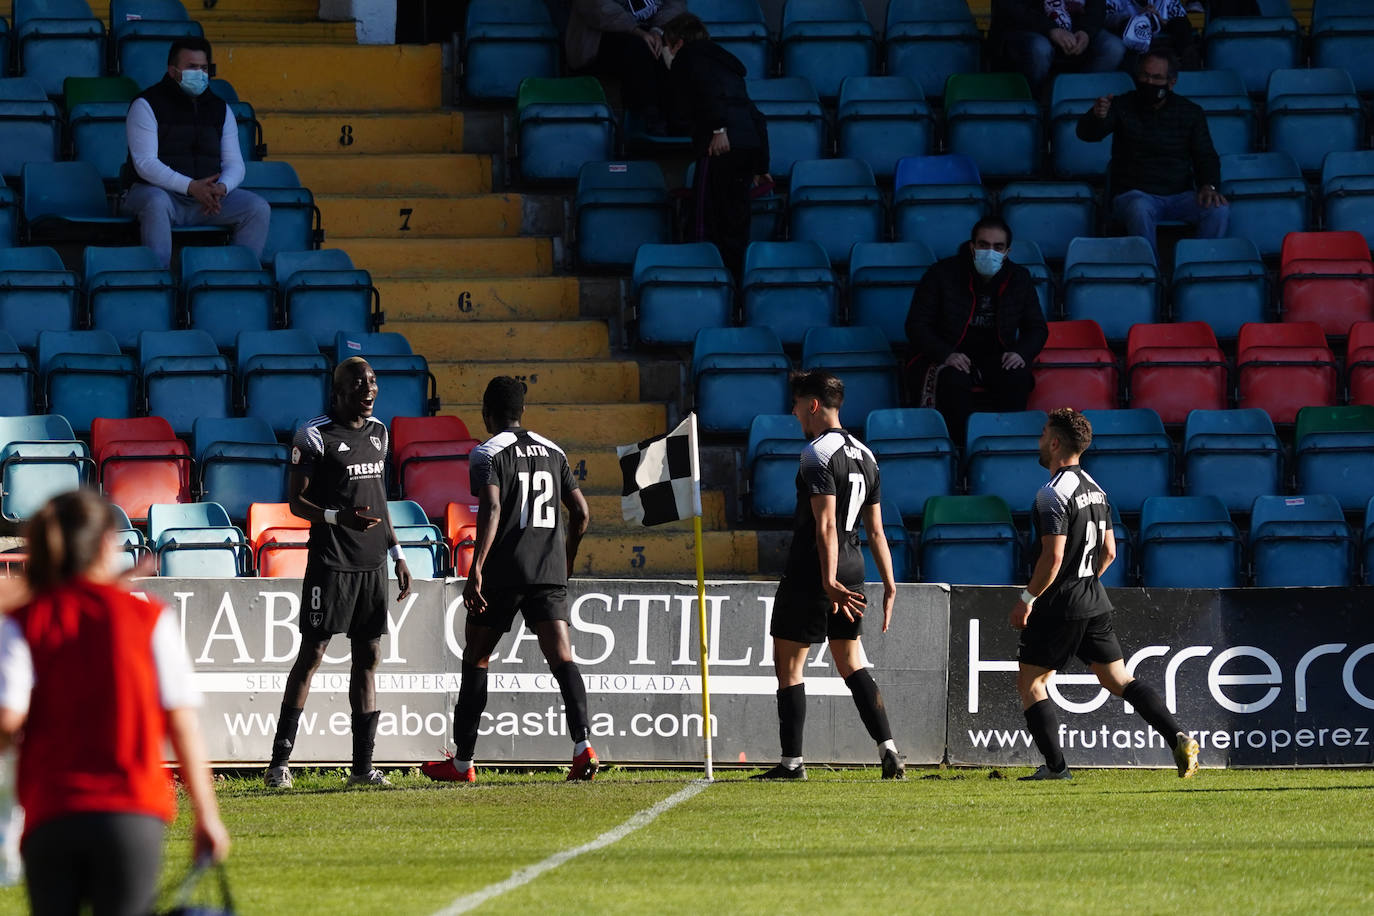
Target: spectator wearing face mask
[
  {"x": 1164, "y": 166},
  {"x": 624, "y": 39},
  {"x": 974, "y": 327}
]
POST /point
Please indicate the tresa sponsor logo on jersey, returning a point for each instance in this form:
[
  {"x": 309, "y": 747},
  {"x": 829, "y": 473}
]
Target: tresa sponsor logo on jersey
[{"x": 365, "y": 469}]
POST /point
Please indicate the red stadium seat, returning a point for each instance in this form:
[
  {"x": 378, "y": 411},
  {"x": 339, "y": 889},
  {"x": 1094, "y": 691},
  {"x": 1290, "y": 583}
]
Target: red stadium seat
[
  {"x": 1281, "y": 368},
  {"x": 278, "y": 537},
  {"x": 1075, "y": 369},
  {"x": 1327, "y": 278},
  {"x": 141, "y": 462},
  {"x": 1175, "y": 368},
  {"x": 460, "y": 527},
  {"x": 1359, "y": 362},
  {"x": 431, "y": 461}
]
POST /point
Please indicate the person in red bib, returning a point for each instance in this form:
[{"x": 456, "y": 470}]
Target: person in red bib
[{"x": 93, "y": 681}]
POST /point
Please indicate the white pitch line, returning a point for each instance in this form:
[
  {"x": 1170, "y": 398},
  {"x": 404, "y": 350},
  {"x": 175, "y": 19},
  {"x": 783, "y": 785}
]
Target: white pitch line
[{"x": 615, "y": 834}]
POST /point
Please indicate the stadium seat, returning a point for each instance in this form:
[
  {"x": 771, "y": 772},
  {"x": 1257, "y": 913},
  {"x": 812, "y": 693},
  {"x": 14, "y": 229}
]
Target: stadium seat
[
  {"x": 788, "y": 287},
  {"x": 1334, "y": 451},
  {"x": 197, "y": 541},
  {"x": 1003, "y": 455},
  {"x": 1230, "y": 112},
  {"x": 1175, "y": 368},
  {"x": 40, "y": 457},
  {"x": 1122, "y": 572},
  {"x": 505, "y": 41},
  {"x": 245, "y": 119},
  {"x": 239, "y": 462},
  {"x": 1232, "y": 456},
  {"x": 184, "y": 377},
  {"x": 1367, "y": 543},
  {"x": 141, "y": 31},
  {"x": 1340, "y": 33},
  {"x": 406, "y": 386},
  {"x": 36, "y": 294},
  {"x": 880, "y": 119},
  {"x": 992, "y": 118},
  {"x": 30, "y": 129},
  {"x": 9, "y": 213},
  {"x": 915, "y": 455},
  {"x": 1347, "y": 192},
  {"x": 278, "y": 538},
  {"x": 55, "y": 39},
  {"x": 1313, "y": 112},
  {"x": 1267, "y": 196},
  {"x": 322, "y": 293},
  {"x": 739, "y": 27},
  {"x": 1188, "y": 542},
  {"x": 430, "y": 456},
  {"x": 422, "y": 544},
  {"x": 85, "y": 376},
  {"x": 678, "y": 290},
  {"x": 969, "y": 540},
  {"x": 862, "y": 358},
  {"x": 226, "y": 292},
  {"x": 796, "y": 123},
  {"x": 1049, "y": 213},
  {"x": 898, "y": 546},
  {"x": 1220, "y": 282},
  {"x": 738, "y": 373},
  {"x": 933, "y": 194},
  {"x": 1071, "y": 96},
  {"x": 1113, "y": 281},
  {"x": 127, "y": 292},
  {"x": 65, "y": 201},
  {"x": 1028, "y": 255},
  {"x": 618, "y": 207},
  {"x": 770, "y": 460},
  {"x": 1300, "y": 541},
  {"x": 460, "y": 528},
  {"x": 835, "y": 203},
  {"x": 295, "y": 222},
  {"x": 96, "y": 107},
  {"x": 4, "y": 47},
  {"x": 1254, "y": 46},
  {"x": 929, "y": 40},
  {"x": 1075, "y": 369},
  {"x": 562, "y": 123},
  {"x": 140, "y": 462},
  {"x": 826, "y": 41},
  {"x": 134, "y": 544},
  {"x": 1283, "y": 367},
  {"x": 1130, "y": 456},
  {"x": 16, "y": 378},
  {"x": 1359, "y": 363},
  {"x": 882, "y": 280},
  {"x": 282, "y": 377},
  {"x": 1327, "y": 278}
]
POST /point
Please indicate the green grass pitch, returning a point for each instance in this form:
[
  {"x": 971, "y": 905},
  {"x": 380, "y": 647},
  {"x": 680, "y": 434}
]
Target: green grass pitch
[{"x": 957, "y": 841}]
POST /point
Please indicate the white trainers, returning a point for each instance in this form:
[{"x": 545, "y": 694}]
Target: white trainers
[
  {"x": 373, "y": 777},
  {"x": 277, "y": 777}
]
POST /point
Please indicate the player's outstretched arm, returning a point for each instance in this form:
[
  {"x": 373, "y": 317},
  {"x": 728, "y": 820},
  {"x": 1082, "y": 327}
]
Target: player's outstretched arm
[
  {"x": 579, "y": 517},
  {"x": 851, "y": 604},
  {"x": 359, "y": 518},
  {"x": 882, "y": 558},
  {"x": 1046, "y": 568}
]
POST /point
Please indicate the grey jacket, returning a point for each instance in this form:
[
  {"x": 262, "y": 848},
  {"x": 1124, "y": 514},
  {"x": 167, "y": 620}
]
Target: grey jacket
[{"x": 589, "y": 18}]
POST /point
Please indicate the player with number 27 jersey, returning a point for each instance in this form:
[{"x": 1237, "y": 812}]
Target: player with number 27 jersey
[{"x": 1073, "y": 505}]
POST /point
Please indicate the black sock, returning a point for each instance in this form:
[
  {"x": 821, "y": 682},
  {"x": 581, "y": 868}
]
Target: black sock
[
  {"x": 1150, "y": 705},
  {"x": 574, "y": 698},
  {"x": 285, "y": 739},
  {"x": 1044, "y": 728},
  {"x": 792, "y": 719},
  {"x": 467, "y": 712},
  {"x": 870, "y": 702},
  {"x": 364, "y": 740}
]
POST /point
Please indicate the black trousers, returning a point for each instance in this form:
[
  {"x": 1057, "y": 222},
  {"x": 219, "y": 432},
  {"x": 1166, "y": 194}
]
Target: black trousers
[
  {"x": 109, "y": 861},
  {"x": 721, "y": 204},
  {"x": 1003, "y": 390},
  {"x": 643, "y": 77}
]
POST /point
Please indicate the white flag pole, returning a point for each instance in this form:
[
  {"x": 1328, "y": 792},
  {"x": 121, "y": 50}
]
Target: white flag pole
[{"x": 704, "y": 642}]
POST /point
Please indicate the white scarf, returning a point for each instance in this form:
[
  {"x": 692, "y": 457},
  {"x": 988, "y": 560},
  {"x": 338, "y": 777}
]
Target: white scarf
[
  {"x": 1141, "y": 21},
  {"x": 1063, "y": 11}
]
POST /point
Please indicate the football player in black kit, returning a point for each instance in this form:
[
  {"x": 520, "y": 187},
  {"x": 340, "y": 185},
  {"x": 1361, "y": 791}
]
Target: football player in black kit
[
  {"x": 821, "y": 596},
  {"x": 1064, "y": 611},
  {"x": 337, "y": 484},
  {"x": 521, "y": 564}
]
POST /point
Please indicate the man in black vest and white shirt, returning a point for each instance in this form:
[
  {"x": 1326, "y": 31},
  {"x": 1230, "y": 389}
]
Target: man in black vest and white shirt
[{"x": 184, "y": 148}]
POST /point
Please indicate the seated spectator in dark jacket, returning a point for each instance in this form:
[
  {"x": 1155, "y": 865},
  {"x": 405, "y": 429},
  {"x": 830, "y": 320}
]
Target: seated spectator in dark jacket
[
  {"x": 1164, "y": 165},
  {"x": 623, "y": 39},
  {"x": 975, "y": 322},
  {"x": 1036, "y": 37},
  {"x": 729, "y": 135}
]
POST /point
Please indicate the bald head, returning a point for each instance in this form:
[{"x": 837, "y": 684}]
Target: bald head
[{"x": 355, "y": 389}]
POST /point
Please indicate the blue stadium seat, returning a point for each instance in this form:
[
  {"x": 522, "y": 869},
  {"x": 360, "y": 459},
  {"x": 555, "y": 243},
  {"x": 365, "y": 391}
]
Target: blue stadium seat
[
  {"x": 1221, "y": 282},
  {"x": 245, "y": 120},
  {"x": 928, "y": 40},
  {"x": 36, "y": 294},
  {"x": 1267, "y": 196},
  {"x": 9, "y": 214},
  {"x": 1254, "y": 46},
  {"x": 1368, "y": 544},
  {"x": 738, "y": 373},
  {"x": 933, "y": 194},
  {"x": 4, "y": 47},
  {"x": 55, "y": 39},
  {"x": 142, "y": 31},
  {"x": 1028, "y": 255},
  {"x": 561, "y": 124},
  {"x": 40, "y": 457},
  {"x": 1188, "y": 542},
  {"x": 898, "y": 546},
  {"x": 788, "y": 287},
  {"x": 992, "y": 118},
  {"x": 880, "y": 119},
  {"x": 127, "y": 292},
  {"x": 796, "y": 122},
  {"x": 835, "y": 203},
  {"x": 1333, "y": 449},
  {"x": 1230, "y": 113},
  {"x": 915, "y": 456},
  {"x": 505, "y": 41},
  {"x": 16, "y": 378},
  {"x": 295, "y": 223},
  {"x": 1113, "y": 281},
  {"x": 1049, "y": 213},
  {"x": 65, "y": 201},
  {"x": 826, "y": 41},
  {"x": 96, "y": 108},
  {"x": 184, "y": 377},
  {"x": 1313, "y": 112},
  {"x": 1072, "y": 95},
  {"x": 86, "y": 376},
  {"x": 618, "y": 207},
  {"x": 424, "y": 549},
  {"x": 322, "y": 293},
  {"x": 196, "y": 540},
  {"x": 738, "y": 26},
  {"x": 1122, "y": 572},
  {"x": 1130, "y": 456},
  {"x": 1300, "y": 541},
  {"x": 1003, "y": 455},
  {"x": 1232, "y": 456},
  {"x": 282, "y": 377},
  {"x": 969, "y": 540},
  {"x": 882, "y": 280},
  {"x": 240, "y": 462},
  {"x": 771, "y": 460},
  {"x": 1347, "y": 192},
  {"x": 862, "y": 358},
  {"x": 406, "y": 386},
  {"x": 30, "y": 129},
  {"x": 226, "y": 292},
  {"x": 678, "y": 290},
  {"x": 1343, "y": 36}
]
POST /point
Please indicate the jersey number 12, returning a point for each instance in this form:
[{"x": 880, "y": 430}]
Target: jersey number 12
[{"x": 541, "y": 514}]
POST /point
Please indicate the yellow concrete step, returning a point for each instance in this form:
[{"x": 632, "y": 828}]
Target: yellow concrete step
[
  {"x": 482, "y": 299},
  {"x": 585, "y": 429},
  {"x": 478, "y": 216},
  {"x": 359, "y": 133},
  {"x": 311, "y": 77},
  {"x": 279, "y": 31},
  {"x": 596, "y": 467},
  {"x": 654, "y": 553},
  {"x": 424, "y": 174},
  {"x": 607, "y": 514},
  {"x": 441, "y": 341},
  {"x": 548, "y": 380},
  {"x": 448, "y": 258},
  {"x": 294, "y": 10}
]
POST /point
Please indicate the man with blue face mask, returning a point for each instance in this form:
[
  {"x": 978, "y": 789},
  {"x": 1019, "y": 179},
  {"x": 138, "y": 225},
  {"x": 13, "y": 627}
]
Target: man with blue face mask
[
  {"x": 975, "y": 326},
  {"x": 184, "y": 154}
]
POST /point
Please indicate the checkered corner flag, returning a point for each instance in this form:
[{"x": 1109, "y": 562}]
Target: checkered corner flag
[{"x": 662, "y": 477}]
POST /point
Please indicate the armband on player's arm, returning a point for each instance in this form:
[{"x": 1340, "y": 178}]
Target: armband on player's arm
[
  {"x": 331, "y": 516},
  {"x": 1027, "y": 598},
  {"x": 396, "y": 553}
]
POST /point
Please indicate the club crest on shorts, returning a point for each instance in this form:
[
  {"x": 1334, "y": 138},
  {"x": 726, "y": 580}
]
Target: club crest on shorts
[{"x": 376, "y": 442}]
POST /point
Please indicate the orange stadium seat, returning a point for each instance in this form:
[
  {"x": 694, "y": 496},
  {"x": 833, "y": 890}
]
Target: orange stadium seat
[
  {"x": 460, "y": 527},
  {"x": 141, "y": 462},
  {"x": 278, "y": 538}
]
